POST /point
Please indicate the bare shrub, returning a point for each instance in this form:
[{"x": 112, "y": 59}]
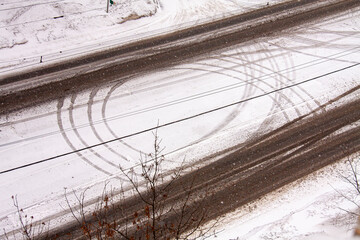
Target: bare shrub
[
  {"x": 29, "y": 228},
  {"x": 93, "y": 224},
  {"x": 161, "y": 206},
  {"x": 353, "y": 179},
  {"x": 171, "y": 209}
]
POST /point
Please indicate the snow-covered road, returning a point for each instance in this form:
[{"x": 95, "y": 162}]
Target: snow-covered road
[{"x": 200, "y": 107}]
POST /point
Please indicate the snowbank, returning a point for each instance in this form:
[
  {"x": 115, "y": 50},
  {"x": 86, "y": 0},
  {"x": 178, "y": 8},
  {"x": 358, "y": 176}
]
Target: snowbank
[
  {"x": 47, "y": 27},
  {"x": 48, "y": 21}
]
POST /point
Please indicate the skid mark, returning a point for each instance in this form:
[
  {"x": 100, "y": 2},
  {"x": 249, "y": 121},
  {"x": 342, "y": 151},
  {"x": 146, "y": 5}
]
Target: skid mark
[
  {"x": 63, "y": 133},
  {"x": 105, "y": 119},
  {"x": 250, "y": 88},
  {"x": 89, "y": 113},
  {"x": 71, "y": 118},
  {"x": 249, "y": 60},
  {"x": 275, "y": 73}
]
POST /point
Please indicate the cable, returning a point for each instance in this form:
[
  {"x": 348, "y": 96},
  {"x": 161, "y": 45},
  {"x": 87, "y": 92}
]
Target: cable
[
  {"x": 198, "y": 95},
  {"x": 178, "y": 121}
]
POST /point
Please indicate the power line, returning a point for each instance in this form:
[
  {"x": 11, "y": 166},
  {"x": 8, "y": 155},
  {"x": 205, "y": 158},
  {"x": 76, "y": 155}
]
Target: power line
[
  {"x": 198, "y": 95},
  {"x": 179, "y": 120}
]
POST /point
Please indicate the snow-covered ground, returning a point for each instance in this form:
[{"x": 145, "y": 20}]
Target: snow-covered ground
[
  {"x": 256, "y": 87},
  {"x": 30, "y": 29}
]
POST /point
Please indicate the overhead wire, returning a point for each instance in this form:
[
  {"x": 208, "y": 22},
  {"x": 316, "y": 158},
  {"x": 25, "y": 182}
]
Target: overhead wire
[
  {"x": 178, "y": 121},
  {"x": 198, "y": 95}
]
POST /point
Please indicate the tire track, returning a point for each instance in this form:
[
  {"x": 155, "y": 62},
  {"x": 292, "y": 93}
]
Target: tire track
[
  {"x": 68, "y": 142},
  {"x": 278, "y": 72},
  {"x": 105, "y": 118},
  {"x": 83, "y": 142},
  {"x": 97, "y": 135}
]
